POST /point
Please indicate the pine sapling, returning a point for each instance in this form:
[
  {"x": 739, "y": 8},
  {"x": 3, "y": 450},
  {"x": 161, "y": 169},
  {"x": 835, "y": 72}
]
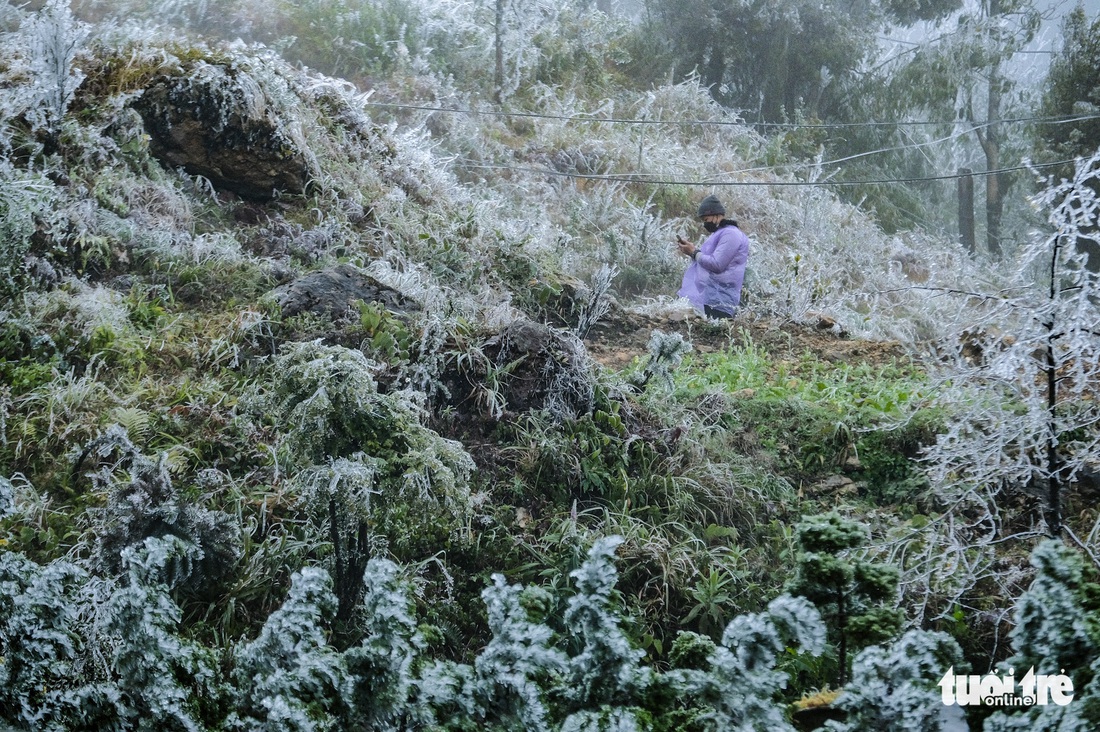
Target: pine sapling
[{"x": 852, "y": 594}]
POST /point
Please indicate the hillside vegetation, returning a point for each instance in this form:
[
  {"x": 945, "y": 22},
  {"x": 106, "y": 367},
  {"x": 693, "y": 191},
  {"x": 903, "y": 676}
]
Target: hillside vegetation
[{"x": 319, "y": 412}]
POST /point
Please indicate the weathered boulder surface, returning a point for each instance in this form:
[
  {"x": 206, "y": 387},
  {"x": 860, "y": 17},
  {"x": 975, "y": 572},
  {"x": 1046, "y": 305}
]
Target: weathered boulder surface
[
  {"x": 217, "y": 122},
  {"x": 333, "y": 290},
  {"x": 536, "y": 367}
]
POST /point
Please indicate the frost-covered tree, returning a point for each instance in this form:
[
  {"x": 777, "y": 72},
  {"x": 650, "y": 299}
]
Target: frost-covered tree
[
  {"x": 381, "y": 681},
  {"x": 1022, "y": 390},
  {"x": 1071, "y": 92},
  {"x": 515, "y": 666},
  {"x": 854, "y": 595},
  {"x": 355, "y": 452},
  {"x": 604, "y": 671},
  {"x": 158, "y": 673},
  {"x": 54, "y": 37}
]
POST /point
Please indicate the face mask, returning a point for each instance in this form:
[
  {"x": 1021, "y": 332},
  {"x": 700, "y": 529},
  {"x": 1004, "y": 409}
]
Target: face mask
[{"x": 710, "y": 226}]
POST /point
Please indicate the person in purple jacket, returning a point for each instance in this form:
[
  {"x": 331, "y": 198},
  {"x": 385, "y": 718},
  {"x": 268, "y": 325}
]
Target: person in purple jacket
[{"x": 713, "y": 281}]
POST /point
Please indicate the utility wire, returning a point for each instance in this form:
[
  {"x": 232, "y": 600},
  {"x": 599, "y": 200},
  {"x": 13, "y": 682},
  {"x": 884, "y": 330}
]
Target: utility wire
[
  {"x": 1062, "y": 119},
  {"x": 650, "y": 179}
]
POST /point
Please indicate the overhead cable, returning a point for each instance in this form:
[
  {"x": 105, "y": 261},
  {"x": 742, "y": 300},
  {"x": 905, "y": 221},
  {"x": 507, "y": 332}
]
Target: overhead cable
[
  {"x": 1060, "y": 119},
  {"x": 652, "y": 179}
]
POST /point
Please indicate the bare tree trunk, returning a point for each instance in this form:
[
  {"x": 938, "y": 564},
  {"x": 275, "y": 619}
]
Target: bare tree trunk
[
  {"x": 1052, "y": 513},
  {"x": 966, "y": 209},
  {"x": 990, "y": 140},
  {"x": 498, "y": 48}
]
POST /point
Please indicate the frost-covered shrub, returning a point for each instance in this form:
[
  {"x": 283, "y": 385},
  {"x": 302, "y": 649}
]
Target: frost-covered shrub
[
  {"x": 605, "y": 669},
  {"x": 38, "y": 650},
  {"x": 738, "y": 689},
  {"x": 25, "y": 198},
  {"x": 289, "y": 678},
  {"x": 143, "y": 502},
  {"x": 895, "y": 689},
  {"x": 1027, "y": 362},
  {"x": 1054, "y": 633},
  {"x": 327, "y": 405}
]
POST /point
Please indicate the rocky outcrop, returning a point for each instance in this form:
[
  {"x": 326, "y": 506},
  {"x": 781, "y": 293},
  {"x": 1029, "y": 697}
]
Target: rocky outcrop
[
  {"x": 525, "y": 366},
  {"x": 333, "y": 291},
  {"x": 218, "y": 122}
]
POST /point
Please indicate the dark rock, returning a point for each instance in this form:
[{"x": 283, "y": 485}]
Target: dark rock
[
  {"x": 333, "y": 291},
  {"x": 213, "y": 122},
  {"x": 546, "y": 368}
]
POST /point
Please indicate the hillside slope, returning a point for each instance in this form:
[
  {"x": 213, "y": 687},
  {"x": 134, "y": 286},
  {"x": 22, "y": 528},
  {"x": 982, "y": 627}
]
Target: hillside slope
[{"x": 249, "y": 332}]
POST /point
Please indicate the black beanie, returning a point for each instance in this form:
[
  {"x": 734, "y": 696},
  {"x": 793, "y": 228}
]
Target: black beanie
[{"x": 711, "y": 206}]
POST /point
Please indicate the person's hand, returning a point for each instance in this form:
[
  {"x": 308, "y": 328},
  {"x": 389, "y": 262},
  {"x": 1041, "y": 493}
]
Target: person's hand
[{"x": 685, "y": 246}]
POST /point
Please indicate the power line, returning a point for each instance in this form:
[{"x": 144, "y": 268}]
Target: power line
[
  {"x": 1061, "y": 119},
  {"x": 650, "y": 179}
]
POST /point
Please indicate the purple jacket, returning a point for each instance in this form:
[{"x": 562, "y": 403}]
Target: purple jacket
[{"x": 716, "y": 275}]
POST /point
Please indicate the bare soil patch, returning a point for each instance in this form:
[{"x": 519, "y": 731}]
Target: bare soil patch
[{"x": 624, "y": 335}]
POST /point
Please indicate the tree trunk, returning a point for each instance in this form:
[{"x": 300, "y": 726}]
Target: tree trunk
[
  {"x": 991, "y": 145},
  {"x": 1052, "y": 513},
  {"x": 966, "y": 210},
  {"x": 498, "y": 49},
  {"x": 842, "y": 641}
]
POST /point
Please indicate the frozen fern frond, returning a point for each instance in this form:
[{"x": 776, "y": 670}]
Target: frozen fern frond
[
  {"x": 596, "y": 301},
  {"x": 896, "y": 688},
  {"x": 380, "y": 676},
  {"x": 143, "y": 502},
  {"x": 54, "y": 38},
  {"x": 513, "y": 667},
  {"x": 606, "y": 669},
  {"x": 289, "y": 678}
]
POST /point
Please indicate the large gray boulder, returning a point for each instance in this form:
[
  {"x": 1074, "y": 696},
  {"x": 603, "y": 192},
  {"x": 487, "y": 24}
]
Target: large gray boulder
[
  {"x": 333, "y": 291},
  {"x": 218, "y": 122}
]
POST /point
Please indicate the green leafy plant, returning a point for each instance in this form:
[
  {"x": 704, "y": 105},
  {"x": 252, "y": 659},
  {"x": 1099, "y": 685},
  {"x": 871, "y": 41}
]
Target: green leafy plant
[{"x": 854, "y": 595}]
